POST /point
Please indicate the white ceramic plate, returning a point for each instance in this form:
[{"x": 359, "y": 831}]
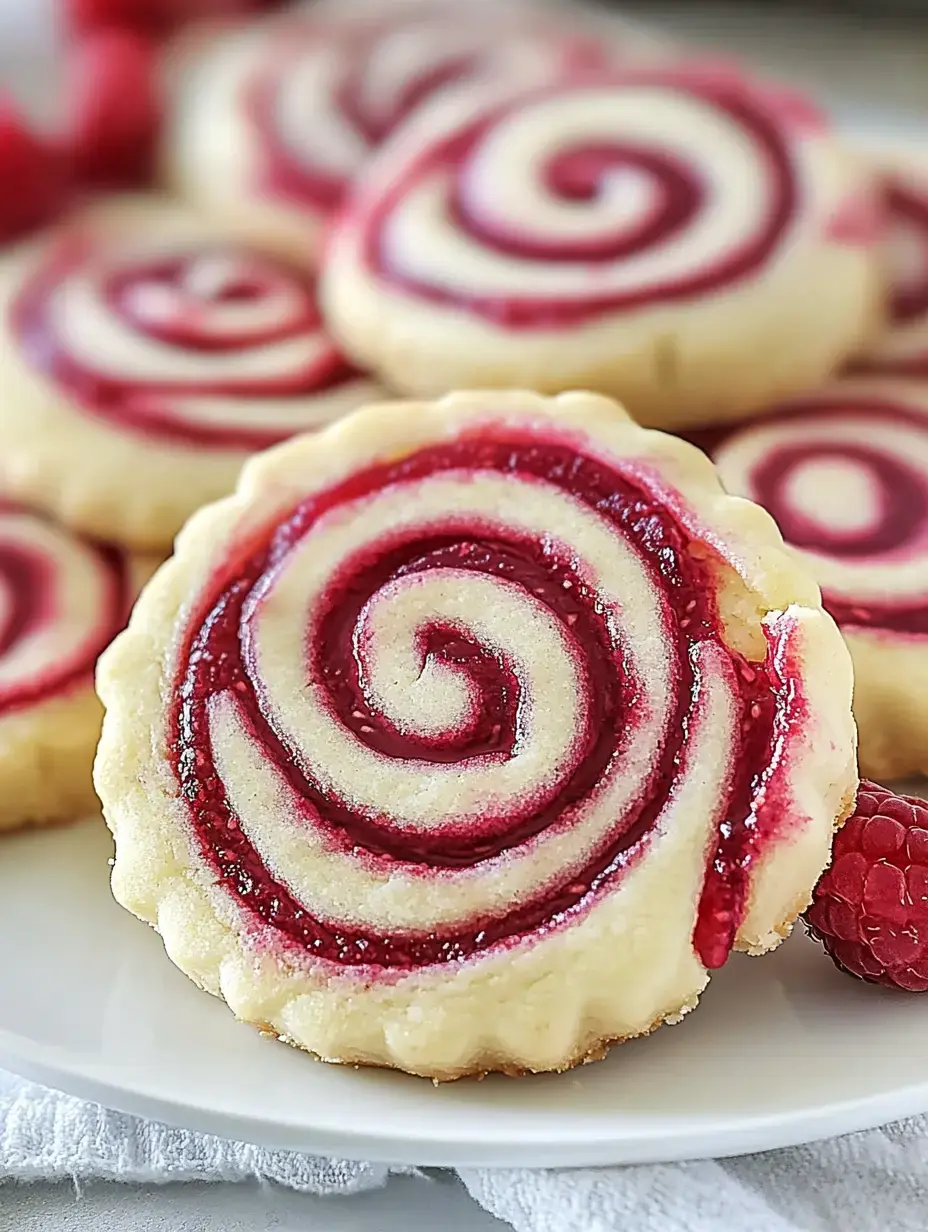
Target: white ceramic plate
[{"x": 782, "y": 1050}]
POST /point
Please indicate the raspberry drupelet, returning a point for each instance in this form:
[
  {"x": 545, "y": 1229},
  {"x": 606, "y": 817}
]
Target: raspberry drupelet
[{"x": 870, "y": 908}]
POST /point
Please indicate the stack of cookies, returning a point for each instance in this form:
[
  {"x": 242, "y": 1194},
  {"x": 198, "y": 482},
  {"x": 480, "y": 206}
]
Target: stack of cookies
[{"x": 471, "y": 731}]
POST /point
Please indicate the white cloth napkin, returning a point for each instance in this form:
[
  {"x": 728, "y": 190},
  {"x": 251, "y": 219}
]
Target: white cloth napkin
[{"x": 866, "y": 1182}]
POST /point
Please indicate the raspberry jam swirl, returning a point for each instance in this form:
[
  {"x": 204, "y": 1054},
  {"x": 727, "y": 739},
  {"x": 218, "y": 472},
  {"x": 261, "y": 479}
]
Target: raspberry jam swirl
[
  {"x": 593, "y": 197},
  {"x": 845, "y": 475},
  {"x": 62, "y": 600},
  {"x": 323, "y": 95},
  {"x": 446, "y": 704},
  {"x": 211, "y": 346},
  {"x": 903, "y": 351}
]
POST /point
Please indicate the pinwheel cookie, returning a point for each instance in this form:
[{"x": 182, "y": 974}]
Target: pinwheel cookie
[
  {"x": 269, "y": 124},
  {"x": 845, "y": 474},
  {"x": 685, "y": 239},
  {"x": 471, "y": 736},
  {"x": 142, "y": 359},
  {"x": 62, "y": 599},
  {"x": 903, "y": 350}
]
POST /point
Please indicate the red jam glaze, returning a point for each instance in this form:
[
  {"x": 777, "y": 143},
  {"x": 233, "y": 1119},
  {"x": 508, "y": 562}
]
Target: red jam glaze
[
  {"x": 214, "y": 658},
  {"x": 770, "y": 707},
  {"x": 28, "y": 580},
  {"x": 146, "y": 407},
  {"x": 288, "y": 175},
  {"x": 903, "y": 499},
  {"x": 682, "y": 191}
]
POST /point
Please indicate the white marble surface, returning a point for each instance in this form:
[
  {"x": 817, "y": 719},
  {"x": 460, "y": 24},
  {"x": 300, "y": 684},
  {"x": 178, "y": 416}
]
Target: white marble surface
[{"x": 857, "y": 66}]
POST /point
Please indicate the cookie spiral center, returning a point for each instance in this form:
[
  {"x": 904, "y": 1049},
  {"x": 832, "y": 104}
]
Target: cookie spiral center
[
  {"x": 847, "y": 500},
  {"x": 587, "y": 199},
  {"x": 194, "y": 344},
  {"x": 845, "y": 474}
]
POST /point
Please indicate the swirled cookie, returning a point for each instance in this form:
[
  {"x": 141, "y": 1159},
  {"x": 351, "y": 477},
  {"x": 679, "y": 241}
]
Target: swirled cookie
[
  {"x": 269, "y": 124},
  {"x": 903, "y": 350},
  {"x": 845, "y": 474},
  {"x": 143, "y": 358},
  {"x": 473, "y": 735},
  {"x": 688, "y": 240},
  {"x": 62, "y": 600}
]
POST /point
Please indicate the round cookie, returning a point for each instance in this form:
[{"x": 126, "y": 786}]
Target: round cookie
[
  {"x": 62, "y": 600},
  {"x": 143, "y": 358},
  {"x": 472, "y": 735},
  {"x": 268, "y": 124},
  {"x": 684, "y": 239},
  {"x": 903, "y": 350},
  {"x": 845, "y": 474}
]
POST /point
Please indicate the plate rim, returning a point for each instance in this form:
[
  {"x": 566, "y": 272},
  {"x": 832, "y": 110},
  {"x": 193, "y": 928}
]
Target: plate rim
[{"x": 638, "y": 1145}]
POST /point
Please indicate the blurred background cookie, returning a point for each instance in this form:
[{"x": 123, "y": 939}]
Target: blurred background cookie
[
  {"x": 845, "y": 474},
  {"x": 686, "y": 238},
  {"x": 269, "y": 123},
  {"x": 62, "y": 600},
  {"x": 143, "y": 357}
]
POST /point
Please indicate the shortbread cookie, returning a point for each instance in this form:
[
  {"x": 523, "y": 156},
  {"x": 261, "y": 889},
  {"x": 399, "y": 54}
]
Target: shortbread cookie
[
  {"x": 903, "y": 350},
  {"x": 845, "y": 474},
  {"x": 142, "y": 359},
  {"x": 472, "y": 735},
  {"x": 685, "y": 239},
  {"x": 269, "y": 124},
  {"x": 63, "y": 600}
]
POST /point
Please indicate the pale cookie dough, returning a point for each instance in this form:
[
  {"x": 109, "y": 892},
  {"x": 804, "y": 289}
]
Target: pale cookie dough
[
  {"x": 143, "y": 358},
  {"x": 268, "y": 124},
  {"x": 472, "y": 735},
  {"x": 902, "y": 351},
  {"x": 845, "y": 474},
  {"x": 687, "y": 240},
  {"x": 62, "y": 600}
]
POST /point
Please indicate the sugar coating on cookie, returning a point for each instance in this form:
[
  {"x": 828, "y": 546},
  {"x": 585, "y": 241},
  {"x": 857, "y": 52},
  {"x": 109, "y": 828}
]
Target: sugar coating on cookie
[
  {"x": 903, "y": 350},
  {"x": 473, "y": 735},
  {"x": 269, "y": 124},
  {"x": 62, "y": 599},
  {"x": 682, "y": 237},
  {"x": 143, "y": 358},
  {"x": 845, "y": 474}
]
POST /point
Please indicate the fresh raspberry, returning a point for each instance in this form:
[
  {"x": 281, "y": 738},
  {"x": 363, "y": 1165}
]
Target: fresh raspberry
[
  {"x": 85, "y": 16},
  {"x": 154, "y": 18},
  {"x": 34, "y": 180},
  {"x": 870, "y": 908},
  {"x": 113, "y": 108}
]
